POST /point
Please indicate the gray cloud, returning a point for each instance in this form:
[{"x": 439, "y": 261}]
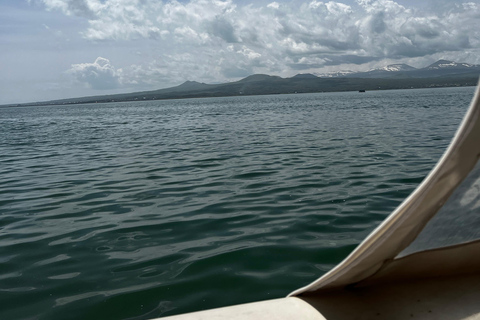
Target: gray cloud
[
  {"x": 334, "y": 60},
  {"x": 222, "y": 28},
  {"x": 377, "y": 24}
]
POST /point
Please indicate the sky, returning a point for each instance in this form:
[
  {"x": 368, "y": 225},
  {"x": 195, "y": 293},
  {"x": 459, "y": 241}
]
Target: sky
[{"x": 53, "y": 49}]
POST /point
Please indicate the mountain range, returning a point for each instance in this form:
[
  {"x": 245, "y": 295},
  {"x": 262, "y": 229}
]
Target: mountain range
[
  {"x": 437, "y": 69},
  {"x": 442, "y": 73}
]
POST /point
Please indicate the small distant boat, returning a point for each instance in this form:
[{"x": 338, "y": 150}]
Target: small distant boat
[
  {"x": 361, "y": 90},
  {"x": 422, "y": 262}
]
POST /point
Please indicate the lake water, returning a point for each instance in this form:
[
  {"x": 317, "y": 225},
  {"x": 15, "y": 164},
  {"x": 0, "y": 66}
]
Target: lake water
[{"x": 147, "y": 209}]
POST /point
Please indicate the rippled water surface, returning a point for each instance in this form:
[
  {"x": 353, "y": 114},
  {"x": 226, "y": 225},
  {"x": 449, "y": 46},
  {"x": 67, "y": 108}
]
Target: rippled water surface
[{"x": 141, "y": 210}]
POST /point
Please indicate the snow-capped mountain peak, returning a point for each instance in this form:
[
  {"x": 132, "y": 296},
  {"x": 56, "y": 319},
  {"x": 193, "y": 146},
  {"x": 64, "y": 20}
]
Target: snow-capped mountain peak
[
  {"x": 397, "y": 67},
  {"x": 399, "y": 70},
  {"x": 441, "y": 64},
  {"x": 334, "y": 74}
]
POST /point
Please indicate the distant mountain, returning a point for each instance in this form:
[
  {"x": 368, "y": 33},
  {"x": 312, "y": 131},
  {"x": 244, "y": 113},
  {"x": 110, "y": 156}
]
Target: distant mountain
[
  {"x": 446, "y": 64},
  {"x": 335, "y": 74},
  {"x": 259, "y": 77},
  {"x": 446, "y": 68},
  {"x": 304, "y": 76},
  {"x": 390, "y": 71},
  {"x": 192, "y": 85},
  {"x": 441, "y": 68},
  {"x": 442, "y": 73},
  {"x": 397, "y": 67}
]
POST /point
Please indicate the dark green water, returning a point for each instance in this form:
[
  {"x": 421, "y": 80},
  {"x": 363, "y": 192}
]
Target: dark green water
[{"x": 141, "y": 210}]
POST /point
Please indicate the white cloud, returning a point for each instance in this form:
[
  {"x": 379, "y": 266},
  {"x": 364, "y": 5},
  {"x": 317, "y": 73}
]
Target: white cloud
[
  {"x": 273, "y": 5},
  {"x": 215, "y": 39},
  {"x": 85, "y": 8},
  {"x": 99, "y": 75},
  {"x": 250, "y": 54}
]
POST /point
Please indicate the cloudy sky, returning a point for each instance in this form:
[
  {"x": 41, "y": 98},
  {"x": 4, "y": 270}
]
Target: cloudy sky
[{"x": 69, "y": 48}]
